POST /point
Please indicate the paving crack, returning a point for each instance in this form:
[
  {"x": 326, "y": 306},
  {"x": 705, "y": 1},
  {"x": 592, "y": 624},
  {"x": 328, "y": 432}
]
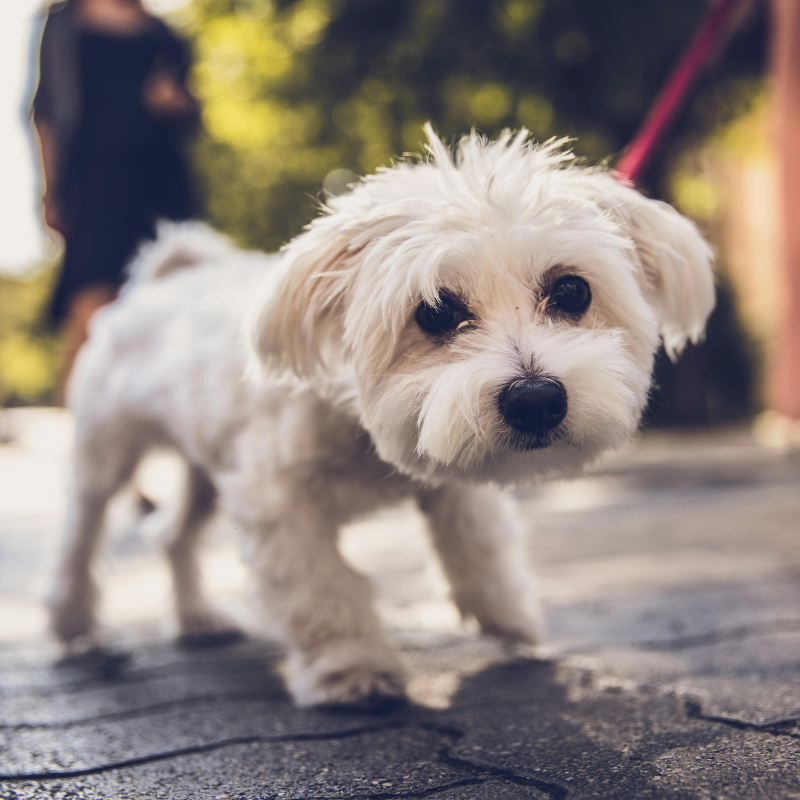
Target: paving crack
[
  {"x": 780, "y": 727},
  {"x": 481, "y": 773},
  {"x": 446, "y": 756},
  {"x": 202, "y": 748},
  {"x": 133, "y": 713},
  {"x": 143, "y": 675},
  {"x": 426, "y": 792}
]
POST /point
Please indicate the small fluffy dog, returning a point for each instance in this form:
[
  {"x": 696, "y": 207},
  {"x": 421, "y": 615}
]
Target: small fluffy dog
[{"x": 469, "y": 321}]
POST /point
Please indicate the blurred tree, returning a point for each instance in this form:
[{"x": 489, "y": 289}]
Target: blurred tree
[
  {"x": 28, "y": 354},
  {"x": 302, "y": 94},
  {"x": 297, "y": 89},
  {"x": 305, "y": 94}
]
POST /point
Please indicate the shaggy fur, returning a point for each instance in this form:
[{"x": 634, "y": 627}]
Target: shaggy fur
[{"x": 356, "y": 407}]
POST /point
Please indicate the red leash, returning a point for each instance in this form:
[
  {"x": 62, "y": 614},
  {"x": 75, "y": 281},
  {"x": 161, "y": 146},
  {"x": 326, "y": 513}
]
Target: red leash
[{"x": 712, "y": 30}]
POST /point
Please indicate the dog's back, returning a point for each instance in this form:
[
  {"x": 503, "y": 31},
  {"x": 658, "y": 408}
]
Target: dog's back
[{"x": 173, "y": 335}]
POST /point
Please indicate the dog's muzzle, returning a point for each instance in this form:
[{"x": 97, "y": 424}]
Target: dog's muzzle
[{"x": 533, "y": 406}]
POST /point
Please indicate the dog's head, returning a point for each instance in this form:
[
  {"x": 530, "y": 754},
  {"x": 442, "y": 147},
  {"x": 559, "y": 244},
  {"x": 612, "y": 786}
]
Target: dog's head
[{"x": 491, "y": 314}]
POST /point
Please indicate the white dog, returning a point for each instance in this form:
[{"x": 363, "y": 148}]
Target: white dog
[{"x": 450, "y": 326}]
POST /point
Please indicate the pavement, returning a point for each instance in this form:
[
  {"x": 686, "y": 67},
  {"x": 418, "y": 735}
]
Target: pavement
[{"x": 671, "y": 579}]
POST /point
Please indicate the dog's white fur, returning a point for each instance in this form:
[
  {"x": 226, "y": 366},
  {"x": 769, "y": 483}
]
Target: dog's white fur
[{"x": 358, "y": 407}]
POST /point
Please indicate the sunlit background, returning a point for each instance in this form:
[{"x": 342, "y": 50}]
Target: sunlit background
[{"x": 302, "y": 95}]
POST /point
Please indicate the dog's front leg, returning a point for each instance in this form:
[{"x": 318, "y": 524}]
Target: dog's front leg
[
  {"x": 338, "y": 653},
  {"x": 479, "y": 539}
]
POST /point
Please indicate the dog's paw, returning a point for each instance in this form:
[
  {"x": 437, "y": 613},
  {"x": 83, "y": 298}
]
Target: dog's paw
[
  {"x": 360, "y": 674},
  {"x": 203, "y": 627},
  {"x": 72, "y": 614},
  {"x": 525, "y": 625}
]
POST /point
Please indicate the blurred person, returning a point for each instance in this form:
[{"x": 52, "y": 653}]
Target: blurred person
[
  {"x": 112, "y": 111},
  {"x": 786, "y": 378}
]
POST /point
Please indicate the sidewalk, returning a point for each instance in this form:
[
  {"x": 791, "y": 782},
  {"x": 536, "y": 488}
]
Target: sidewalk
[{"x": 671, "y": 578}]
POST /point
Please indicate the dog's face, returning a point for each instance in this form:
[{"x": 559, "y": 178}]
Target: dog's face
[{"x": 492, "y": 317}]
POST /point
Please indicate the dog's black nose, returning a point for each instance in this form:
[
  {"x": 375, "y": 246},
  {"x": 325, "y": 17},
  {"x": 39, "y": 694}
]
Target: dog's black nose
[{"x": 533, "y": 406}]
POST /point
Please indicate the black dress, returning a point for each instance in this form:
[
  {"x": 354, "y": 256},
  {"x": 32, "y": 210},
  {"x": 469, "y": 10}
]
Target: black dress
[{"x": 124, "y": 169}]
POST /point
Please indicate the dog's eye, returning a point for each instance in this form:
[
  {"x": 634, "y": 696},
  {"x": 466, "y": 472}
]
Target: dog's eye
[
  {"x": 443, "y": 317},
  {"x": 571, "y": 294}
]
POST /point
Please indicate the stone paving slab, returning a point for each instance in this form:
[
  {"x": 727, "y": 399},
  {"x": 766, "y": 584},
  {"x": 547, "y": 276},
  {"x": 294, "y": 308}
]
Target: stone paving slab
[
  {"x": 671, "y": 578},
  {"x": 524, "y": 727}
]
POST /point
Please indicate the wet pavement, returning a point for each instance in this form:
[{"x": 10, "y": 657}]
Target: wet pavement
[{"x": 671, "y": 578}]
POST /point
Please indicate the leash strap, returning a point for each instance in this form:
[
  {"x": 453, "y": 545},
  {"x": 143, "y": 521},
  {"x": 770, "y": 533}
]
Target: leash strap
[{"x": 712, "y": 30}]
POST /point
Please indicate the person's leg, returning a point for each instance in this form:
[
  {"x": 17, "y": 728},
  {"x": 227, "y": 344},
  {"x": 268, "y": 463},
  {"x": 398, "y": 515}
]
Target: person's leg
[{"x": 82, "y": 307}]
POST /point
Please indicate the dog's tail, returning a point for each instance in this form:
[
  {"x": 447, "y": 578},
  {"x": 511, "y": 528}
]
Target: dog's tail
[{"x": 178, "y": 245}]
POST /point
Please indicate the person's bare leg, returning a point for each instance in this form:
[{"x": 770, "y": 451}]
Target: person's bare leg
[
  {"x": 82, "y": 307},
  {"x": 785, "y": 388}
]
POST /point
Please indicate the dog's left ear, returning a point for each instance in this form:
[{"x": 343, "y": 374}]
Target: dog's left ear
[
  {"x": 296, "y": 324},
  {"x": 676, "y": 262},
  {"x": 299, "y": 322}
]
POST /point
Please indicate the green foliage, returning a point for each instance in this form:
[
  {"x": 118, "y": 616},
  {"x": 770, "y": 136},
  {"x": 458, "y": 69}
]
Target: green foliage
[
  {"x": 28, "y": 354},
  {"x": 294, "y": 90},
  {"x": 299, "y": 94}
]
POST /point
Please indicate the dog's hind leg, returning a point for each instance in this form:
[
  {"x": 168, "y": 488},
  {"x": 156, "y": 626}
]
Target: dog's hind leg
[
  {"x": 478, "y": 539},
  {"x": 199, "y": 624},
  {"x": 105, "y": 454}
]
